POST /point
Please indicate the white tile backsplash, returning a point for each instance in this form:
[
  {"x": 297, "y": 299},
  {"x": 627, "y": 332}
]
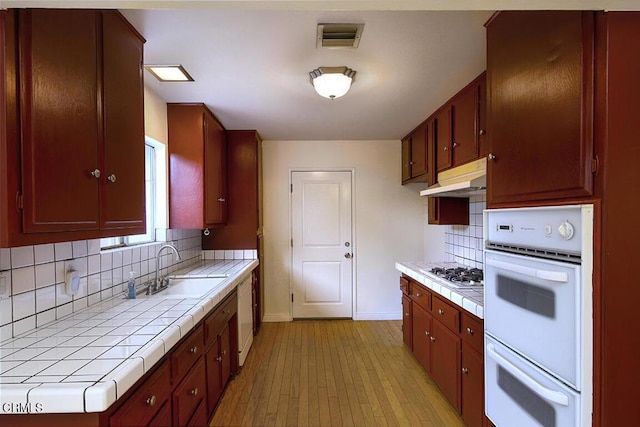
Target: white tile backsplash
[
  {"x": 35, "y": 276},
  {"x": 463, "y": 243}
]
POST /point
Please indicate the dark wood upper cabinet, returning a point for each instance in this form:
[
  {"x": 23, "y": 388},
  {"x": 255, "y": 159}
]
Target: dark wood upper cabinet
[
  {"x": 123, "y": 93},
  {"x": 443, "y": 138},
  {"x": 464, "y": 117},
  {"x": 197, "y": 167},
  {"x": 540, "y": 115},
  {"x": 417, "y": 155},
  {"x": 73, "y": 126}
]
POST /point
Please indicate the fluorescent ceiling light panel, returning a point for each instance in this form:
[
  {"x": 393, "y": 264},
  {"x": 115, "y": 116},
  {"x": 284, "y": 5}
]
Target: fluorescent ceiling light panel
[{"x": 169, "y": 73}]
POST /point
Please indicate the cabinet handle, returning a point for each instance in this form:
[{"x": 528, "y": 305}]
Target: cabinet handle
[
  {"x": 151, "y": 400},
  {"x": 491, "y": 157},
  {"x": 96, "y": 173},
  {"x": 455, "y": 144},
  {"x": 432, "y": 339},
  {"x": 482, "y": 132},
  {"x": 445, "y": 148},
  {"x": 194, "y": 392},
  {"x": 427, "y": 333},
  {"x": 440, "y": 311},
  {"x": 219, "y": 359},
  {"x": 112, "y": 177},
  {"x": 193, "y": 349},
  {"x": 417, "y": 294},
  {"x": 465, "y": 371},
  {"x": 470, "y": 331},
  {"x": 221, "y": 199}
]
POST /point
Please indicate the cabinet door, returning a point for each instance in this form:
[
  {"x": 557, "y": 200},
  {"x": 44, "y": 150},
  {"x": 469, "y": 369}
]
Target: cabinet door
[
  {"x": 225, "y": 353},
  {"x": 406, "y": 159},
  {"x": 419, "y": 151},
  {"x": 189, "y": 394},
  {"x": 421, "y": 335},
  {"x": 449, "y": 210},
  {"x": 464, "y": 117},
  {"x": 123, "y": 202},
  {"x": 214, "y": 172},
  {"x": 199, "y": 418},
  {"x": 59, "y": 119},
  {"x": 445, "y": 362},
  {"x": 443, "y": 139},
  {"x": 483, "y": 137},
  {"x": 472, "y": 385},
  {"x": 540, "y": 83},
  {"x": 214, "y": 376},
  {"x": 163, "y": 417},
  {"x": 407, "y": 321}
]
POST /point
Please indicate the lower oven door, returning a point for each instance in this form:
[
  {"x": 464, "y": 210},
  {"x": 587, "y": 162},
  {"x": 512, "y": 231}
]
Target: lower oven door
[
  {"x": 533, "y": 306},
  {"x": 517, "y": 393}
]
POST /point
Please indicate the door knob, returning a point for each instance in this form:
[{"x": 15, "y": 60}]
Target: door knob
[{"x": 348, "y": 255}]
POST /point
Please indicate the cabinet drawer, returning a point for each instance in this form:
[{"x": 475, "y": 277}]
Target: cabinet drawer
[
  {"x": 216, "y": 322},
  {"x": 446, "y": 314},
  {"x": 188, "y": 395},
  {"x": 404, "y": 286},
  {"x": 472, "y": 331},
  {"x": 146, "y": 401},
  {"x": 421, "y": 295},
  {"x": 187, "y": 353}
]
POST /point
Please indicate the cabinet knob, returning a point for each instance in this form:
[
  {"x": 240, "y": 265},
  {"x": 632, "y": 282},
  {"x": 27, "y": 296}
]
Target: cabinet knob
[
  {"x": 219, "y": 359},
  {"x": 151, "y": 400},
  {"x": 432, "y": 339},
  {"x": 407, "y": 314},
  {"x": 194, "y": 392},
  {"x": 417, "y": 294},
  {"x": 411, "y": 163},
  {"x": 224, "y": 352},
  {"x": 482, "y": 132},
  {"x": 193, "y": 349},
  {"x": 221, "y": 199},
  {"x": 440, "y": 311},
  {"x": 226, "y": 311},
  {"x": 255, "y": 305},
  {"x": 96, "y": 173},
  {"x": 470, "y": 331},
  {"x": 465, "y": 371},
  {"x": 491, "y": 157},
  {"x": 455, "y": 144},
  {"x": 427, "y": 333},
  {"x": 445, "y": 148},
  {"x": 111, "y": 178}
]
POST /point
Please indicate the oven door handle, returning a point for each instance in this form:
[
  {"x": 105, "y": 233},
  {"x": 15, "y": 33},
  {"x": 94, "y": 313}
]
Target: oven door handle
[
  {"x": 551, "y": 276},
  {"x": 542, "y": 391}
]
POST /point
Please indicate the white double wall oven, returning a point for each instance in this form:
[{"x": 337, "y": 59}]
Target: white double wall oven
[{"x": 538, "y": 316}]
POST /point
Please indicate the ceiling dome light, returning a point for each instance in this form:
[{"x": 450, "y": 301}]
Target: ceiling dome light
[{"x": 332, "y": 82}]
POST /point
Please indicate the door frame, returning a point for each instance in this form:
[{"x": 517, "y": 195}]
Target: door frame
[{"x": 354, "y": 245}]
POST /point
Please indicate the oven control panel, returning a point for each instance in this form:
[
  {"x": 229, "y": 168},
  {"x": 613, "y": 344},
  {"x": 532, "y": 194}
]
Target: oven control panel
[{"x": 551, "y": 228}]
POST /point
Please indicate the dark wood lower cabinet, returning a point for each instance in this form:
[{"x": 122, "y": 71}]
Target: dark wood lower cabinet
[{"x": 448, "y": 343}]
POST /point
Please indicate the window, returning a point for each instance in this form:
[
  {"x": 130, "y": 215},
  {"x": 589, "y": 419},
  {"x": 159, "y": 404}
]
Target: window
[{"x": 153, "y": 152}]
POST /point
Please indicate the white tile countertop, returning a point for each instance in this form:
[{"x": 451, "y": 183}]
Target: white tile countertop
[
  {"x": 85, "y": 361},
  {"x": 470, "y": 299}
]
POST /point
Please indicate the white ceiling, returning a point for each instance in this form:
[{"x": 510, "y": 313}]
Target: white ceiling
[
  {"x": 250, "y": 58},
  {"x": 251, "y": 67}
]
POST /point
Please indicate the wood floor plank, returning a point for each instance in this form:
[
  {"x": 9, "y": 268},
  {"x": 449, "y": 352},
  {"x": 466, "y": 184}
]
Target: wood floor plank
[{"x": 333, "y": 373}]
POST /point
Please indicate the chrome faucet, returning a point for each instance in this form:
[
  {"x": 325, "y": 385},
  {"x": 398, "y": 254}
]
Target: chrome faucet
[{"x": 159, "y": 283}]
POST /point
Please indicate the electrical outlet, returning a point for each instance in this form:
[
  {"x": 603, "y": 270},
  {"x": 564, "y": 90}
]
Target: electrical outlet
[
  {"x": 72, "y": 278},
  {"x": 4, "y": 285}
]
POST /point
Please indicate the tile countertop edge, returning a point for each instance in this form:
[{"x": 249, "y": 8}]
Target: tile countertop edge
[
  {"x": 450, "y": 294},
  {"x": 99, "y": 396}
]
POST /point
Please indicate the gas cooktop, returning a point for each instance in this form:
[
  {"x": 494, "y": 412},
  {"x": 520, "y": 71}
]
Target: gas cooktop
[{"x": 456, "y": 276}]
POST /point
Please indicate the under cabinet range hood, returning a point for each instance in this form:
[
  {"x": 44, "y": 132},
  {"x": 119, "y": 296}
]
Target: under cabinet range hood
[{"x": 462, "y": 181}]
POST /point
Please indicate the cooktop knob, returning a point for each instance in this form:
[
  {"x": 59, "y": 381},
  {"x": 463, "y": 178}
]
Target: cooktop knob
[{"x": 566, "y": 230}]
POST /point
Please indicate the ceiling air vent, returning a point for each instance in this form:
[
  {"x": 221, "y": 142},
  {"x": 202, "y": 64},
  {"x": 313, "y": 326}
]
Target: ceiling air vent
[{"x": 339, "y": 36}]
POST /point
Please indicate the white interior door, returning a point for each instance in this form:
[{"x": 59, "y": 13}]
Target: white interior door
[{"x": 322, "y": 244}]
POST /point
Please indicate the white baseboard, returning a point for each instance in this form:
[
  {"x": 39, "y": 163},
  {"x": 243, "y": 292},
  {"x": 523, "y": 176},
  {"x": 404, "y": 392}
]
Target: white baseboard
[
  {"x": 378, "y": 316},
  {"x": 277, "y": 317}
]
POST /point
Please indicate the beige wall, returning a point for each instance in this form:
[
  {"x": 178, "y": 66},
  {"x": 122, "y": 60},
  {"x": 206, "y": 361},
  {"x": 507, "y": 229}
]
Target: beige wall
[
  {"x": 155, "y": 116},
  {"x": 389, "y": 221}
]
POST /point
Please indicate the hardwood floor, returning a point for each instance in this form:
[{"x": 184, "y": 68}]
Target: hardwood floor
[{"x": 333, "y": 373}]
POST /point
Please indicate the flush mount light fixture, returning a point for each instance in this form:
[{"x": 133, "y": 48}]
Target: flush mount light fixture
[
  {"x": 332, "y": 82},
  {"x": 169, "y": 73}
]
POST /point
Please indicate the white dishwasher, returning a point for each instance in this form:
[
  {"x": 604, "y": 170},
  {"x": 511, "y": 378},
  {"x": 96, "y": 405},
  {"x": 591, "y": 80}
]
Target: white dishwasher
[{"x": 245, "y": 319}]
